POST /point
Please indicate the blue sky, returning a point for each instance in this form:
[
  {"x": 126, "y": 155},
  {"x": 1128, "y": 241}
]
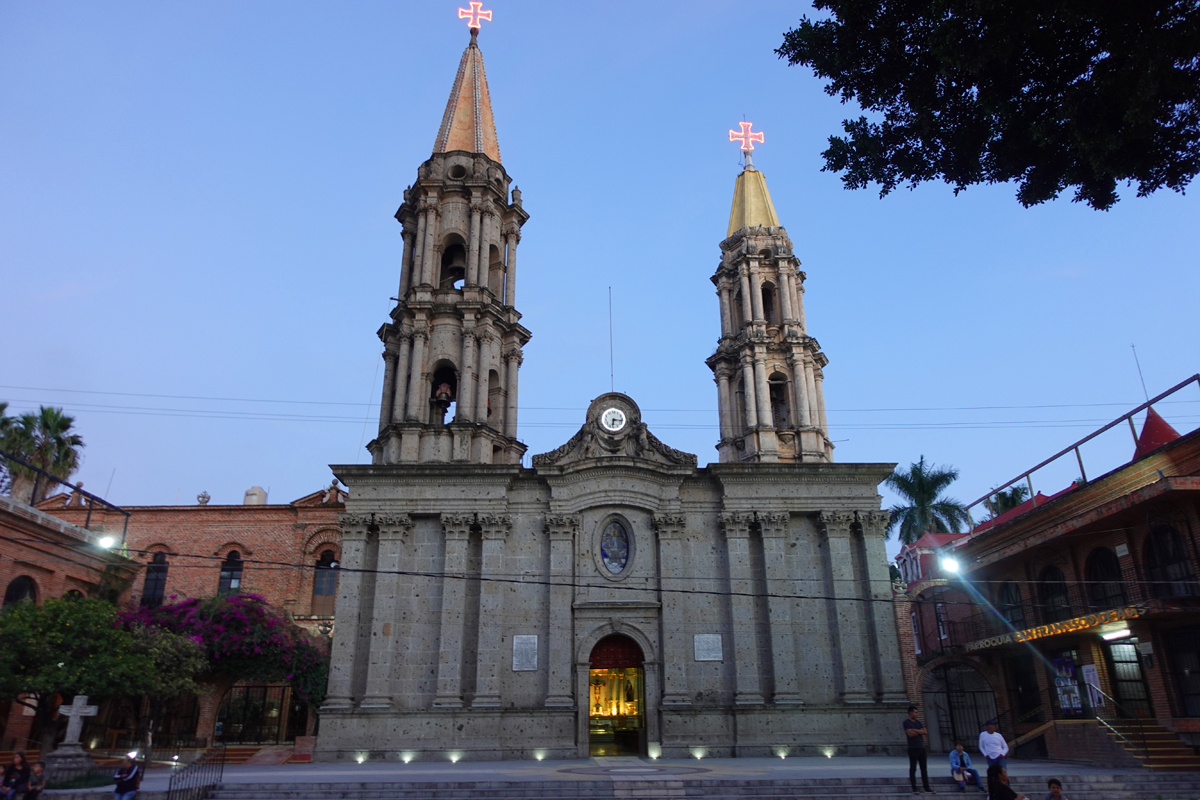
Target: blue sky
[{"x": 196, "y": 202}]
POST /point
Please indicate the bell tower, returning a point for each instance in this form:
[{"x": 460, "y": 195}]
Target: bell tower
[
  {"x": 453, "y": 347},
  {"x": 767, "y": 368}
]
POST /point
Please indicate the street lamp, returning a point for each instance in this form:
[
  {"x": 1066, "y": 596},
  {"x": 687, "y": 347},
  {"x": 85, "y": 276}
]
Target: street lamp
[{"x": 950, "y": 565}]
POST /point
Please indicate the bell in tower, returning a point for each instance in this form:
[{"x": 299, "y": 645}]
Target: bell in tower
[
  {"x": 453, "y": 347},
  {"x": 767, "y": 368}
]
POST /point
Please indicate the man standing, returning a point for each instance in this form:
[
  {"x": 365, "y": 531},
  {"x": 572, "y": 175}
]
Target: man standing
[
  {"x": 915, "y": 731},
  {"x": 993, "y": 746}
]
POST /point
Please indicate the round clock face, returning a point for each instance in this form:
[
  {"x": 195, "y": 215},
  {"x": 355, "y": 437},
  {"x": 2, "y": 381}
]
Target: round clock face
[{"x": 613, "y": 419}]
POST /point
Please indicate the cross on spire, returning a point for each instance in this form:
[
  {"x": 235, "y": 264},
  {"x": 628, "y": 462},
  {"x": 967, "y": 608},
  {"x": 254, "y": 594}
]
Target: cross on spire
[
  {"x": 475, "y": 13},
  {"x": 746, "y": 137}
]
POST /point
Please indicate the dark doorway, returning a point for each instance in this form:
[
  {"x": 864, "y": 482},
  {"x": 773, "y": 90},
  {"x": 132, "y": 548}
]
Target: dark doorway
[
  {"x": 1128, "y": 681},
  {"x": 260, "y": 715},
  {"x": 616, "y": 698},
  {"x": 957, "y": 701}
]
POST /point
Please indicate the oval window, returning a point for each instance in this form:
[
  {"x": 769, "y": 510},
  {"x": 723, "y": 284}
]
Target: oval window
[{"x": 614, "y": 547}]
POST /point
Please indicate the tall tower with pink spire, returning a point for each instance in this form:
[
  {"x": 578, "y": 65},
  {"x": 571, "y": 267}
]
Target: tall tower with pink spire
[{"x": 453, "y": 347}]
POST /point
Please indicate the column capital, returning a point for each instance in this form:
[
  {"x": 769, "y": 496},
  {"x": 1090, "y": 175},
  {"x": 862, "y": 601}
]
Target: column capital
[
  {"x": 395, "y": 525},
  {"x": 836, "y": 523},
  {"x": 514, "y": 354},
  {"x": 670, "y": 526},
  {"x": 736, "y": 524},
  {"x": 354, "y": 526},
  {"x": 408, "y": 232},
  {"x": 478, "y": 207},
  {"x": 874, "y": 523},
  {"x": 563, "y": 527},
  {"x": 457, "y": 526},
  {"x": 495, "y": 526},
  {"x": 774, "y": 524},
  {"x": 420, "y": 333},
  {"x": 390, "y": 353}
]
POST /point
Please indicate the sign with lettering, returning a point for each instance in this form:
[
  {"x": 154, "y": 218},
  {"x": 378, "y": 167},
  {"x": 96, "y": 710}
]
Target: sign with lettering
[{"x": 1054, "y": 628}]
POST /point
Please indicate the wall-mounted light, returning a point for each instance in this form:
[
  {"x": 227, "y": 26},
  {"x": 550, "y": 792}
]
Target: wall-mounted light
[
  {"x": 107, "y": 542},
  {"x": 1121, "y": 634},
  {"x": 950, "y": 565}
]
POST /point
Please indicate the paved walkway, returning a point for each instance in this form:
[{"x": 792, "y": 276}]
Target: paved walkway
[{"x": 636, "y": 768}]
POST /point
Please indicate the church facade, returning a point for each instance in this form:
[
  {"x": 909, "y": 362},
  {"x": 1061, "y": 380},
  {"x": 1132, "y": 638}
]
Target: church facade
[{"x": 614, "y": 598}]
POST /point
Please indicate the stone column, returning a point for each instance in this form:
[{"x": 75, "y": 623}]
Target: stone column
[
  {"x": 485, "y": 364},
  {"x": 510, "y": 286},
  {"x": 785, "y": 293},
  {"x": 392, "y": 531},
  {"x": 416, "y": 378},
  {"x": 456, "y": 528},
  {"x": 762, "y": 392},
  {"x": 748, "y": 392},
  {"x": 496, "y": 528},
  {"x": 839, "y": 565},
  {"x": 560, "y": 641},
  {"x": 406, "y": 262},
  {"x": 747, "y": 307},
  {"x": 399, "y": 386},
  {"x": 819, "y": 379},
  {"x": 748, "y": 687},
  {"x": 798, "y": 298},
  {"x": 427, "y": 252},
  {"x": 724, "y": 406},
  {"x": 472, "y": 277},
  {"x": 726, "y": 317},
  {"x": 512, "y": 360},
  {"x": 676, "y": 641},
  {"x": 810, "y": 387},
  {"x": 756, "y": 295},
  {"x": 466, "y": 376},
  {"x": 414, "y": 272},
  {"x": 774, "y": 527},
  {"x": 800, "y": 388},
  {"x": 881, "y": 619},
  {"x": 343, "y": 653},
  {"x": 485, "y": 242},
  {"x": 390, "y": 357}
]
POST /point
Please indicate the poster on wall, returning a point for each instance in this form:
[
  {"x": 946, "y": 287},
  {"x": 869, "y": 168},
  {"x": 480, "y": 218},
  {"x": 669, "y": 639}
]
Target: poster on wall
[
  {"x": 1070, "y": 703},
  {"x": 1091, "y": 679}
]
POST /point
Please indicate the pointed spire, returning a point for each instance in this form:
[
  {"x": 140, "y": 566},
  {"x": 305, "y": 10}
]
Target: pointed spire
[
  {"x": 468, "y": 123},
  {"x": 1156, "y": 432},
  {"x": 751, "y": 201}
]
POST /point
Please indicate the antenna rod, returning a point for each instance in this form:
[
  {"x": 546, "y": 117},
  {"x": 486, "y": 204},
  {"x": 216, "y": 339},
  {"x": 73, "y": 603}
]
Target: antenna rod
[
  {"x": 1139, "y": 367},
  {"x": 611, "y": 371}
]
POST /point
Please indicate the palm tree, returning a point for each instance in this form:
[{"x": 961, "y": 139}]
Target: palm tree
[
  {"x": 44, "y": 440},
  {"x": 1007, "y": 500},
  {"x": 927, "y": 510}
]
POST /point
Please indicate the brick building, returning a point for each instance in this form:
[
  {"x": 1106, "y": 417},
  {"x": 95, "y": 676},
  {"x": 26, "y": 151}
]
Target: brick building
[
  {"x": 287, "y": 553},
  {"x": 1074, "y": 618}
]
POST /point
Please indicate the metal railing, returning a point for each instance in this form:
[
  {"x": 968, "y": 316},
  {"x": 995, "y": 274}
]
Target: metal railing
[
  {"x": 1027, "y": 476},
  {"x": 198, "y": 779},
  {"x": 89, "y": 500},
  {"x": 1120, "y": 722}
]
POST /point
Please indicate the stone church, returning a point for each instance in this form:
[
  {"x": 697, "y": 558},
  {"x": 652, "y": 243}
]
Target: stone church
[{"x": 614, "y": 598}]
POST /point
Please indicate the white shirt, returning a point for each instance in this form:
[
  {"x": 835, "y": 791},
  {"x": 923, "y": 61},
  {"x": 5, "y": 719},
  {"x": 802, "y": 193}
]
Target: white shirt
[{"x": 992, "y": 745}]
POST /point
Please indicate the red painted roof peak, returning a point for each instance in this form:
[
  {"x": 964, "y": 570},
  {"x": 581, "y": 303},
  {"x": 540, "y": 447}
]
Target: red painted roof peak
[{"x": 1156, "y": 432}]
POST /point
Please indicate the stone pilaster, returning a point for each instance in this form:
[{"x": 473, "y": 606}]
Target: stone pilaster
[
  {"x": 456, "y": 531},
  {"x": 417, "y": 408},
  {"x": 406, "y": 261},
  {"x": 495, "y": 529},
  {"x": 676, "y": 643},
  {"x": 472, "y": 278},
  {"x": 344, "y": 652},
  {"x": 852, "y": 650},
  {"x": 390, "y": 356},
  {"x": 562, "y": 529},
  {"x": 512, "y": 361},
  {"x": 774, "y": 526},
  {"x": 427, "y": 251},
  {"x": 748, "y": 687},
  {"x": 393, "y": 528},
  {"x": 399, "y": 386},
  {"x": 882, "y": 619},
  {"x": 486, "y": 340},
  {"x": 510, "y": 284},
  {"x": 466, "y": 376}
]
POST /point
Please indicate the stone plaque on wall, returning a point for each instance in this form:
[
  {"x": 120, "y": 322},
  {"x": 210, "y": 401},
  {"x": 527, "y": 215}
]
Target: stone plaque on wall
[
  {"x": 524, "y": 653},
  {"x": 707, "y": 646}
]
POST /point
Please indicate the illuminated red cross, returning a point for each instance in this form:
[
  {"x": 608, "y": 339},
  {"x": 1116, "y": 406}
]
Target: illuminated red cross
[
  {"x": 746, "y": 137},
  {"x": 475, "y": 14}
]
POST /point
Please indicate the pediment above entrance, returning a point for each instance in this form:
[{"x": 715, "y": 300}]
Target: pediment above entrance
[{"x": 614, "y": 429}]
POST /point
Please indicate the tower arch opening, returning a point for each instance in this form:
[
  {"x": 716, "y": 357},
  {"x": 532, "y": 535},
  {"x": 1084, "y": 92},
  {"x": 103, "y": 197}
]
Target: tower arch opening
[
  {"x": 616, "y": 697},
  {"x": 443, "y": 392},
  {"x": 768, "y": 303},
  {"x": 777, "y": 384},
  {"x": 495, "y": 402},
  {"x": 454, "y": 263},
  {"x": 495, "y": 272}
]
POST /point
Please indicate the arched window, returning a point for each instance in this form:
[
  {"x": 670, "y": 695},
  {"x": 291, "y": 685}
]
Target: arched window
[
  {"x": 777, "y": 385},
  {"x": 1168, "y": 565},
  {"x": 325, "y": 581},
  {"x": 1056, "y": 602},
  {"x": 231, "y": 574},
  {"x": 1103, "y": 572},
  {"x": 156, "y": 581},
  {"x": 1008, "y": 603},
  {"x": 22, "y": 589}
]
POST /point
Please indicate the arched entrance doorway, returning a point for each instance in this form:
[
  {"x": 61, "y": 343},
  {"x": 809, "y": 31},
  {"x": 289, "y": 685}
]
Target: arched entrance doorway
[
  {"x": 957, "y": 702},
  {"x": 616, "y": 698}
]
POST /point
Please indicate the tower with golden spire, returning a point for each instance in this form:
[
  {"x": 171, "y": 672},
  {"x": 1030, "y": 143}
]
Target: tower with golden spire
[
  {"x": 453, "y": 347},
  {"x": 767, "y": 368}
]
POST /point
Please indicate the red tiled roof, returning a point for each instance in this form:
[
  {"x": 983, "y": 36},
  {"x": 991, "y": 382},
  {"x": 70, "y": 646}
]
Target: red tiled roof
[{"x": 1156, "y": 432}]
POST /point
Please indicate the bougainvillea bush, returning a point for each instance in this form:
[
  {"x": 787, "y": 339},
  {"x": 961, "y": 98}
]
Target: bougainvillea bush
[{"x": 244, "y": 638}]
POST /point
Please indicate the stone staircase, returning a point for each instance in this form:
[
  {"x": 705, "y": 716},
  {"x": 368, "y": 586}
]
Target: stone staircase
[
  {"x": 1157, "y": 748},
  {"x": 1139, "y": 785}
]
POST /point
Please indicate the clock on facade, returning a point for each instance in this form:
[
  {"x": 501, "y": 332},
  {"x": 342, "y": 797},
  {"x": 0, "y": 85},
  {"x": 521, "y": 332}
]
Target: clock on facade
[{"x": 613, "y": 419}]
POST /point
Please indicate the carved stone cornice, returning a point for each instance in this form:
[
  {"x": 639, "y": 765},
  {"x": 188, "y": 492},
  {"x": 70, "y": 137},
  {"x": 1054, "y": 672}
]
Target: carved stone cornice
[
  {"x": 495, "y": 526},
  {"x": 563, "y": 527},
  {"x": 874, "y": 523},
  {"x": 836, "y": 523},
  {"x": 774, "y": 524},
  {"x": 736, "y": 524},
  {"x": 670, "y": 526},
  {"x": 457, "y": 526}
]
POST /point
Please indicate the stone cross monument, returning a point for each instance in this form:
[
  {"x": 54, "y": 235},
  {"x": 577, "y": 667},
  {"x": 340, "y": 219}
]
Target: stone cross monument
[{"x": 69, "y": 759}]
